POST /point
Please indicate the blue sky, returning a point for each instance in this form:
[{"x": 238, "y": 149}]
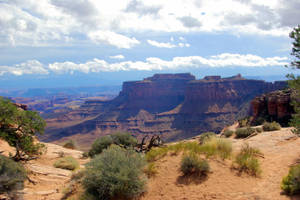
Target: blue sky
[{"x": 88, "y": 42}]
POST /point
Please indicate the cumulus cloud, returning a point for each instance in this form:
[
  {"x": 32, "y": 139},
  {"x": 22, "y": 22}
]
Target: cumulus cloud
[
  {"x": 161, "y": 44},
  {"x": 119, "y": 57},
  {"x": 167, "y": 44},
  {"x": 139, "y": 7},
  {"x": 190, "y": 22},
  {"x": 29, "y": 67},
  {"x": 53, "y": 22},
  {"x": 151, "y": 63},
  {"x": 114, "y": 39}
]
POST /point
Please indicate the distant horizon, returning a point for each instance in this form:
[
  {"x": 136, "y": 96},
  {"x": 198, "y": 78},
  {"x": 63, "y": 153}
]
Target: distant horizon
[{"x": 62, "y": 43}]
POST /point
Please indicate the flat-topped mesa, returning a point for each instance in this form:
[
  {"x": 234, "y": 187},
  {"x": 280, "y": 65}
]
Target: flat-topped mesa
[
  {"x": 179, "y": 76},
  {"x": 158, "y": 93}
]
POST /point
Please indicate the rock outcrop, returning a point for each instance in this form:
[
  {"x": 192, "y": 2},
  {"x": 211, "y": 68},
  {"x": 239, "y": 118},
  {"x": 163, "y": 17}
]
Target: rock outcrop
[
  {"x": 274, "y": 106},
  {"x": 173, "y": 105}
]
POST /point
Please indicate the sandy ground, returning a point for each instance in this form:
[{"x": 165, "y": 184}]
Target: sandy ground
[
  {"x": 48, "y": 182},
  {"x": 280, "y": 148}
]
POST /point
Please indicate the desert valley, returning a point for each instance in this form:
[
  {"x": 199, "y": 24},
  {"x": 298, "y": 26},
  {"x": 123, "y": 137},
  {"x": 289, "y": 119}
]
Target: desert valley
[{"x": 149, "y": 100}]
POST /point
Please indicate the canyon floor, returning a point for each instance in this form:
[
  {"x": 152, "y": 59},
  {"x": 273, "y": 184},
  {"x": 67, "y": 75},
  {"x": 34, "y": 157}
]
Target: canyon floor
[{"x": 280, "y": 149}]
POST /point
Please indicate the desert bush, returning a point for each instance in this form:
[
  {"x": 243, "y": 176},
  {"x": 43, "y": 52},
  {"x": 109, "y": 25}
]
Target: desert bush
[
  {"x": 67, "y": 162},
  {"x": 115, "y": 173},
  {"x": 271, "y": 126},
  {"x": 244, "y": 122},
  {"x": 192, "y": 164},
  {"x": 192, "y": 147},
  {"x": 150, "y": 170},
  {"x": 124, "y": 139},
  {"x": 70, "y": 144},
  {"x": 217, "y": 146},
  {"x": 228, "y": 133},
  {"x": 244, "y": 132},
  {"x": 291, "y": 183},
  {"x": 12, "y": 176},
  {"x": 258, "y": 130},
  {"x": 176, "y": 148},
  {"x": 156, "y": 153},
  {"x": 100, "y": 144},
  {"x": 247, "y": 161},
  {"x": 206, "y": 136}
]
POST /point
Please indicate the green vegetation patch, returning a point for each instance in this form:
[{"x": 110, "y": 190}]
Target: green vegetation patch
[
  {"x": 191, "y": 164},
  {"x": 271, "y": 126},
  {"x": 116, "y": 173},
  {"x": 247, "y": 161},
  {"x": 67, "y": 162},
  {"x": 291, "y": 183},
  {"x": 12, "y": 176},
  {"x": 244, "y": 132},
  {"x": 121, "y": 139}
]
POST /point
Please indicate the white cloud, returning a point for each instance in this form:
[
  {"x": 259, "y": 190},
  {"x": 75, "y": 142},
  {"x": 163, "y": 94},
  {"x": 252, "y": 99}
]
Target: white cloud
[
  {"x": 114, "y": 39},
  {"x": 167, "y": 44},
  {"x": 29, "y": 67},
  {"x": 151, "y": 63},
  {"x": 119, "y": 57},
  {"x": 161, "y": 44},
  {"x": 58, "y": 22}
]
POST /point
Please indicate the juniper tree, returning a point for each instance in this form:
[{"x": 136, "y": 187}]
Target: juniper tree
[
  {"x": 294, "y": 81},
  {"x": 18, "y": 127}
]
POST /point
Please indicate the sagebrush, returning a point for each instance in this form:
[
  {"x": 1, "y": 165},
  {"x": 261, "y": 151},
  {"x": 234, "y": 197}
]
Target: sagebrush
[
  {"x": 67, "y": 162},
  {"x": 271, "y": 126},
  {"x": 291, "y": 183},
  {"x": 115, "y": 173},
  {"x": 191, "y": 164},
  {"x": 12, "y": 176}
]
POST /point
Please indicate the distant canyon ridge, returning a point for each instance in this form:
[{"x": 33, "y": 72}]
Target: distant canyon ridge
[{"x": 175, "y": 106}]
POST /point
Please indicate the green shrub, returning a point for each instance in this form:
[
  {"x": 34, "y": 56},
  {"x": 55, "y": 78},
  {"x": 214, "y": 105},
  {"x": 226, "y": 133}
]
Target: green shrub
[
  {"x": 291, "y": 183},
  {"x": 67, "y": 162},
  {"x": 150, "y": 170},
  {"x": 271, "y": 126},
  {"x": 191, "y": 164},
  {"x": 228, "y": 133},
  {"x": 206, "y": 136},
  {"x": 259, "y": 130},
  {"x": 156, "y": 153},
  {"x": 115, "y": 173},
  {"x": 70, "y": 144},
  {"x": 217, "y": 146},
  {"x": 12, "y": 176},
  {"x": 122, "y": 139},
  {"x": 244, "y": 132},
  {"x": 100, "y": 144},
  {"x": 247, "y": 162},
  {"x": 244, "y": 122},
  {"x": 176, "y": 148}
]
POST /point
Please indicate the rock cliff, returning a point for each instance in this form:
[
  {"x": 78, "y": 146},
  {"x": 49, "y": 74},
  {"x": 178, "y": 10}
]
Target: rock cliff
[
  {"x": 173, "y": 105},
  {"x": 274, "y": 106}
]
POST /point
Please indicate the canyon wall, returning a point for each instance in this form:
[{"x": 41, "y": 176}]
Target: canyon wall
[
  {"x": 273, "y": 106},
  {"x": 173, "y": 105}
]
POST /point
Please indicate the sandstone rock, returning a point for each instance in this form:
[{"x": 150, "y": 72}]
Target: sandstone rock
[
  {"x": 274, "y": 106},
  {"x": 173, "y": 105}
]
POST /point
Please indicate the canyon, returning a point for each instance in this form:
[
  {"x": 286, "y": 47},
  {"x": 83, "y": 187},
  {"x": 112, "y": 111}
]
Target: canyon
[{"x": 175, "y": 106}]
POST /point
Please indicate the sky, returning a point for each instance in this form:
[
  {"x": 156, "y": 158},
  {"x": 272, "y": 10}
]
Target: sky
[{"x": 56, "y": 43}]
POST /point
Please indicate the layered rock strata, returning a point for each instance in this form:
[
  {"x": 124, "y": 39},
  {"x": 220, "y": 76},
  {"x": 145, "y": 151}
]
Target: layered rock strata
[{"x": 173, "y": 105}]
